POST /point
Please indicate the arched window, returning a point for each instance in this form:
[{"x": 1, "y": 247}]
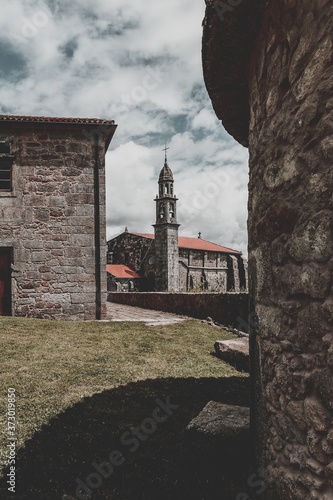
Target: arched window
[
  {"x": 161, "y": 211},
  {"x": 172, "y": 210},
  {"x": 171, "y": 189}
]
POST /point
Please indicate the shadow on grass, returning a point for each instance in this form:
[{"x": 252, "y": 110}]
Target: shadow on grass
[{"x": 167, "y": 465}]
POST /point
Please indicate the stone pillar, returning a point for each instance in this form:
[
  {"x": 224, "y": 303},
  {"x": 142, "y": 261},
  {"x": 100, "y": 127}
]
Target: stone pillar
[
  {"x": 290, "y": 247},
  {"x": 233, "y": 274},
  {"x": 243, "y": 273}
]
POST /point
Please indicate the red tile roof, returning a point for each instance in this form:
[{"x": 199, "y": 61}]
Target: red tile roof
[
  {"x": 121, "y": 271},
  {"x": 55, "y": 119},
  {"x": 196, "y": 244}
]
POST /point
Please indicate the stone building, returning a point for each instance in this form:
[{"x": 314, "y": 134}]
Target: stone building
[
  {"x": 122, "y": 278},
  {"x": 168, "y": 262},
  {"x": 52, "y": 216},
  {"x": 268, "y": 70}
]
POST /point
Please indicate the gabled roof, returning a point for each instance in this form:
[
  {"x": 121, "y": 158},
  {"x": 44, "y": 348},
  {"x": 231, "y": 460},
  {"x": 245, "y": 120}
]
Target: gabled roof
[
  {"x": 196, "y": 244},
  {"x": 121, "y": 271}
]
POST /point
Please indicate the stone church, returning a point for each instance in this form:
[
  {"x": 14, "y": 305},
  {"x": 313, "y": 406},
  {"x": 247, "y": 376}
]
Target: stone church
[{"x": 164, "y": 261}]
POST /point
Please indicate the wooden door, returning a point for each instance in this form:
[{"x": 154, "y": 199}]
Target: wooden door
[{"x": 5, "y": 282}]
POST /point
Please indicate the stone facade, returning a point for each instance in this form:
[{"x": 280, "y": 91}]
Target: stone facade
[
  {"x": 53, "y": 216},
  {"x": 198, "y": 269},
  {"x": 171, "y": 263},
  {"x": 288, "y": 76}
]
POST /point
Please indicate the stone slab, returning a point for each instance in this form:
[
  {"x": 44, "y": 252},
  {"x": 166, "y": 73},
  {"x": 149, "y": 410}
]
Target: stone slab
[
  {"x": 222, "y": 421},
  {"x": 234, "y": 352}
]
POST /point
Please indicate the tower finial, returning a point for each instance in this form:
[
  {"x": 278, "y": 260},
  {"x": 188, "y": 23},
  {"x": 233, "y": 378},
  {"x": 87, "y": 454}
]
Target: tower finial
[{"x": 165, "y": 149}]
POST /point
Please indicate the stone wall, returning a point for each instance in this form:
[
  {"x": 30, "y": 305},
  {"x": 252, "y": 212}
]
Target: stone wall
[
  {"x": 202, "y": 269},
  {"x": 228, "y": 308},
  {"x": 290, "y": 244},
  {"x": 133, "y": 251},
  {"x": 287, "y": 74},
  {"x": 49, "y": 219}
]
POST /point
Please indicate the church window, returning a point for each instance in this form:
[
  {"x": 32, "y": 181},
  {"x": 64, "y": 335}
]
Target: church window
[
  {"x": 172, "y": 210},
  {"x": 166, "y": 189},
  {"x": 6, "y": 161},
  {"x": 171, "y": 189},
  {"x": 161, "y": 212}
]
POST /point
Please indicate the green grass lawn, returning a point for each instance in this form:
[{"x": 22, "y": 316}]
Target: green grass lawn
[{"x": 76, "y": 381}]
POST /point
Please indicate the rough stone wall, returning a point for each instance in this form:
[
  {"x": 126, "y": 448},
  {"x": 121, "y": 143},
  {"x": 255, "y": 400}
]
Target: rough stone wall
[
  {"x": 198, "y": 265},
  {"x": 183, "y": 276},
  {"x": 49, "y": 222},
  {"x": 290, "y": 246},
  {"x": 166, "y": 257},
  {"x": 132, "y": 250},
  {"x": 226, "y": 308}
]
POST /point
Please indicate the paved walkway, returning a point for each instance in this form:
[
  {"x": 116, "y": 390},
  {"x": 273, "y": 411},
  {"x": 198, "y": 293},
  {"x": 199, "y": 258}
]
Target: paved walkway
[{"x": 122, "y": 312}]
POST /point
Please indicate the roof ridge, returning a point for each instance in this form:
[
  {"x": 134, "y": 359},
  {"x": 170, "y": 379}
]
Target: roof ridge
[
  {"x": 55, "y": 119},
  {"x": 211, "y": 242},
  {"x": 224, "y": 249}
]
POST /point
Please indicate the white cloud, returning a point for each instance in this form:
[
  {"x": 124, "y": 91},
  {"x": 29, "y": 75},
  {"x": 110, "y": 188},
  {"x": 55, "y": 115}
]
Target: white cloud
[
  {"x": 204, "y": 119},
  {"x": 138, "y": 63}
]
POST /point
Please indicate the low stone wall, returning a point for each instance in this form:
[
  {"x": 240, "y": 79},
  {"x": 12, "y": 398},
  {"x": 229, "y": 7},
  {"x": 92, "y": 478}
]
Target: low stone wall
[{"x": 228, "y": 308}]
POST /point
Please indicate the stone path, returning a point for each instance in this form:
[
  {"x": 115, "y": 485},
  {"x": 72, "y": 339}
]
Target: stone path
[{"x": 122, "y": 312}]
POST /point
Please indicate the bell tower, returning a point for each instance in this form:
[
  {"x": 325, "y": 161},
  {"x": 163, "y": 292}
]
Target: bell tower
[{"x": 166, "y": 233}]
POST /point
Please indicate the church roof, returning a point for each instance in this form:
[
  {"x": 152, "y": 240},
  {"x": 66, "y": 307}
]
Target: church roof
[
  {"x": 166, "y": 173},
  {"x": 121, "y": 271},
  {"x": 196, "y": 244}
]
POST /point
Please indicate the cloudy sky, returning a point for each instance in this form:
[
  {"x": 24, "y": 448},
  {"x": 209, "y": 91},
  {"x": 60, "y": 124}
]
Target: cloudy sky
[{"x": 137, "y": 62}]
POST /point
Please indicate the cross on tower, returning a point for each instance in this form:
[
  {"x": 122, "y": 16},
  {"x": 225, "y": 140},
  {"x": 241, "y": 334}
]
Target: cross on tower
[{"x": 165, "y": 149}]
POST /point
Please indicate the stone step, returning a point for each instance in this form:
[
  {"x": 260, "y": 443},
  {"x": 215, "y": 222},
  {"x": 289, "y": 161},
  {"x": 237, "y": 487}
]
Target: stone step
[{"x": 235, "y": 352}]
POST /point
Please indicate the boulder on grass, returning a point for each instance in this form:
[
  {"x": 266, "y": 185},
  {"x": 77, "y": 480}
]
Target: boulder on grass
[
  {"x": 222, "y": 421},
  {"x": 235, "y": 352},
  {"x": 218, "y": 440}
]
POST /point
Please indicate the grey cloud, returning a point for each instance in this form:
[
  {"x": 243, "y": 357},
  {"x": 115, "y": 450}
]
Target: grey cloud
[
  {"x": 69, "y": 48},
  {"x": 12, "y": 63}
]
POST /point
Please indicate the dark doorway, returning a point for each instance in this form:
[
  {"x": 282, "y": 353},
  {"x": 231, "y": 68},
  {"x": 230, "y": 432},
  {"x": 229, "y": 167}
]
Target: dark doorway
[{"x": 5, "y": 282}]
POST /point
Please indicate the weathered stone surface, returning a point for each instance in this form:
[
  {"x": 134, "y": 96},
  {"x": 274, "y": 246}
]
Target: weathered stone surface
[
  {"x": 316, "y": 415},
  {"x": 313, "y": 239},
  {"x": 289, "y": 75},
  {"x": 234, "y": 352},
  {"x": 221, "y": 421},
  {"x": 48, "y": 220}
]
